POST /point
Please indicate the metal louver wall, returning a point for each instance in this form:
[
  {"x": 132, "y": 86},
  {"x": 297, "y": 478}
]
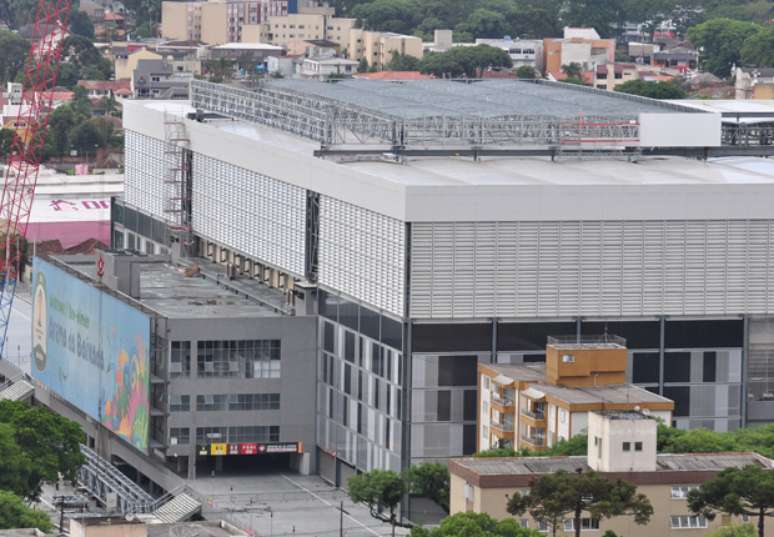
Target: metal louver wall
[
  {"x": 362, "y": 254},
  {"x": 249, "y": 212},
  {"x": 551, "y": 269},
  {"x": 144, "y": 173}
]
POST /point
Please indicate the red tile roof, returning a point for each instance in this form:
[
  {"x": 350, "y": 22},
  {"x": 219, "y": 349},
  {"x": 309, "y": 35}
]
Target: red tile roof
[{"x": 106, "y": 85}]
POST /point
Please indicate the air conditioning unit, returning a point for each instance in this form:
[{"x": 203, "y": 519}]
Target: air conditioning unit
[{"x": 568, "y": 359}]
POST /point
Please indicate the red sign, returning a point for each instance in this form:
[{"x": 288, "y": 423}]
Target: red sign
[
  {"x": 248, "y": 449},
  {"x": 100, "y": 267}
]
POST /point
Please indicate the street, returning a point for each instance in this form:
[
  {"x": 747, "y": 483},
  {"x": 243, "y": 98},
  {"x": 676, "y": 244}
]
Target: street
[{"x": 18, "y": 346}]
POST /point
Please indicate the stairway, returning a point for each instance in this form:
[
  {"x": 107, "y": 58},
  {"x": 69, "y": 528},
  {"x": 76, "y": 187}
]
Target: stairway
[
  {"x": 180, "y": 508},
  {"x": 20, "y": 390}
]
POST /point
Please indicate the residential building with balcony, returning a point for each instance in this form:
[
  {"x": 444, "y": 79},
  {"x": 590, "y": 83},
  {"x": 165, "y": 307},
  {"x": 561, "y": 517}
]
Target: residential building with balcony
[
  {"x": 523, "y": 52},
  {"x": 378, "y": 47},
  {"x": 581, "y": 46},
  {"x": 609, "y": 76},
  {"x": 621, "y": 445},
  {"x": 535, "y": 406}
]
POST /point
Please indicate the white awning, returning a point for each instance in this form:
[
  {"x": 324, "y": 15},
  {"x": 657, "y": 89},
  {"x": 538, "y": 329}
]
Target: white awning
[
  {"x": 533, "y": 393},
  {"x": 502, "y": 379}
]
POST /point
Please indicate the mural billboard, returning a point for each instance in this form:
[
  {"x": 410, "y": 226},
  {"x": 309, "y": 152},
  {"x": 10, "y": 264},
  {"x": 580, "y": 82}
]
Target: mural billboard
[{"x": 92, "y": 349}]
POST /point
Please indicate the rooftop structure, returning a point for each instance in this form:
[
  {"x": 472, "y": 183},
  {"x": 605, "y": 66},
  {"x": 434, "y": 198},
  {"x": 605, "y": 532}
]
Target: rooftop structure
[{"x": 439, "y": 112}]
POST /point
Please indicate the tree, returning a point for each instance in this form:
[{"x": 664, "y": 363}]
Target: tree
[
  {"x": 362, "y": 65},
  {"x": 720, "y": 42},
  {"x": 573, "y": 70},
  {"x": 80, "y": 24},
  {"x": 15, "y": 465},
  {"x": 51, "y": 441},
  {"x": 468, "y": 61},
  {"x": 484, "y": 23},
  {"x": 758, "y": 49},
  {"x": 402, "y": 62},
  {"x": 13, "y": 52},
  {"x": 554, "y": 498},
  {"x": 6, "y": 143},
  {"x": 576, "y": 445},
  {"x": 15, "y": 514},
  {"x": 85, "y": 138},
  {"x": 379, "y": 490},
  {"x": 475, "y": 525},
  {"x": 736, "y": 491},
  {"x": 526, "y": 72},
  {"x": 654, "y": 90},
  {"x": 734, "y": 530},
  {"x": 432, "y": 481},
  {"x": 387, "y": 16}
]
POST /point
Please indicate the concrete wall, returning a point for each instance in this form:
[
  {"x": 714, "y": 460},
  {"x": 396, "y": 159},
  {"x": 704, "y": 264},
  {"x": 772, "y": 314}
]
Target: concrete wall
[
  {"x": 215, "y": 23},
  {"x": 174, "y": 21}
]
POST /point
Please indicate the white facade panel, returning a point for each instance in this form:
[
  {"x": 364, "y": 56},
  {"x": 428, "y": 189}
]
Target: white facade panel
[
  {"x": 262, "y": 217},
  {"x": 680, "y": 130},
  {"x": 362, "y": 254},
  {"x": 557, "y": 269},
  {"x": 144, "y": 173}
]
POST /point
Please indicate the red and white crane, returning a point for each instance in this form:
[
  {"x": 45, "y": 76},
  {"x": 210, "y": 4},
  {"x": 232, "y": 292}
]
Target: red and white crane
[{"x": 21, "y": 172}]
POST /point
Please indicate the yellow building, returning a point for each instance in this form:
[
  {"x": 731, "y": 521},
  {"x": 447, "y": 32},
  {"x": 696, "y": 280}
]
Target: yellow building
[
  {"x": 535, "y": 406},
  {"x": 609, "y": 76},
  {"x": 285, "y": 30},
  {"x": 378, "y": 47},
  {"x": 621, "y": 445},
  {"x": 124, "y": 66}
]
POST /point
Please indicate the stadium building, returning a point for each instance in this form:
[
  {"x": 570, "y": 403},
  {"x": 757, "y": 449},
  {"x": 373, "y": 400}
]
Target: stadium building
[{"x": 434, "y": 225}]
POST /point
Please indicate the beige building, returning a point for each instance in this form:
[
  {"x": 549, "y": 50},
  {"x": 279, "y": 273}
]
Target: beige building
[
  {"x": 216, "y": 21},
  {"x": 305, "y": 26},
  {"x": 378, "y": 47},
  {"x": 535, "y": 406},
  {"x": 124, "y": 66},
  {"x": 608, "y": 77},
  {"x": 621, "y": 445}
]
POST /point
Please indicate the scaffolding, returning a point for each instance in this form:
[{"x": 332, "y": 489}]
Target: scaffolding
[
  {"x": 333, "y": 122},
  {"x": 177, "y": 179}
]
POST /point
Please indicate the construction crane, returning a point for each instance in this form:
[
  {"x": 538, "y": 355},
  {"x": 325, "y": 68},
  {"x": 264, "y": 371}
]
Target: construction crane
[{"x": 21, "y": 172}]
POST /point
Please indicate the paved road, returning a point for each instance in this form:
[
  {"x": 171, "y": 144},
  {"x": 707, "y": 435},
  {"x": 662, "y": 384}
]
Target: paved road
[
  {"x": 286, "y": 505},
  {"x": 18, "y": 347}
]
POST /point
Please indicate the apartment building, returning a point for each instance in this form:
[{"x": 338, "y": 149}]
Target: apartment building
[
  {"x": 290, "y": 28},
  {"x": 609, "y": 76},
  {"x": 535, "y": 406},
  {"x": 582, "y": 46},
  {"x": 215, "y": 21},
  {"x": 621, "y": 445},
  {"x": 522, "y": 52},
  {"x": 378, "y": 47}
]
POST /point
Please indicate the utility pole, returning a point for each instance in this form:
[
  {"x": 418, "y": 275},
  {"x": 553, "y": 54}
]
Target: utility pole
[{"x": 341, "y": 519}]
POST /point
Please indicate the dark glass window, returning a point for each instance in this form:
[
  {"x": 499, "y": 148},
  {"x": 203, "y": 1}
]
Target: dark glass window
[
  {"x": 349, "y": 346},
  {"x": 329, "y": 338},
  {"x": 376, "y": 394},
  {"x": 330, "y": 403},
  {"x": 377, "y": 359},
  {"x": 444, "y": 405},
  {"x": 345, "y": 411},
  {"x": 369, "y": 323},
  {"x": 638, "y": 334},
  {"x": 470, "y": 408},
  {"x": 348, "y": 314},
  {"x": 452, "y": 337},
  {"x": 457, "y": 371},
  {"x": 388, "y": 364},
  {"x": 645, "y": 367},
  {"x": 710, "y": 366},
  {"x": 399, "y": 405},
  {"x": 392, "y": 333},
  {"x": 328, "y": 306},
  {"x": 360, "y": 385},
  {"x": 468, "y": 439},
  {"x": 677, "y": 367},
  {"x": 682, "y": 397},
  {"x": 534, "y": 358},
  {"x": 388, "y": 402},
  {"x": 348, "y": 379},
  {"x": 530, "y": 336},
  {"x": 638, "y": 446},
  {"x": 360, "y": 351},
  {"x": 360, "y": 418},
  {"x": 387, "y": 434},
  {"x": 627, "y": 446},
  {"x": 693, "y": 334}
]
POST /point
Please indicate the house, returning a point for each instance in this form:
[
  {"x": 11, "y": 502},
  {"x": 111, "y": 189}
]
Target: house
[
  {"x": 443, "y": 40},
  {"x": 253, "y": 53},
  {"x": 611, "y": 75},
  {"x": 581, "y": 46},
  {"x": 377, "y": 48},
  {"x": 125, "y": 59},
  {"x": 682, "y": 58},
  {"x": 621, "y": 445},
  {"x": 283, "y": 30},
  {"x": 754, "y": 83},
  {"x": 314, "y": 48},
  {"x": 327, "y": 67},
  {"x": 522, "y": 52},
  {"x": 109, "y": 26},
  {"x": 97, "y": 89},
  {"x": 536, "y": 406},
  {"x": 156, "y": 79}
]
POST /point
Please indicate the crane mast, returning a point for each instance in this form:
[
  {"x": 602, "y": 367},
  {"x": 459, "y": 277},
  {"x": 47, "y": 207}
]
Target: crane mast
[{"x": 21, "y": 172}]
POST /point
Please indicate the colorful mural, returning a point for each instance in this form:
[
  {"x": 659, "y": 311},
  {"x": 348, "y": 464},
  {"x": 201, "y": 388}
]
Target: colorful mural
[{"x": 92, "y": 349}]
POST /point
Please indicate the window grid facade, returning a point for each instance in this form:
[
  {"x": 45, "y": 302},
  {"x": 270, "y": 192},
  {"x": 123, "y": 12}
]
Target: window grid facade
[
  {"x": 144, "y": 172},
  {"x": 554, "y": 269},
  {"x": 239, "y": 358},
  {"x": 257, "y": 433},
  {"x": 238, "y": 401},
  {"x": 225, "y": 197},
  {"x": 362, "y": 254}
]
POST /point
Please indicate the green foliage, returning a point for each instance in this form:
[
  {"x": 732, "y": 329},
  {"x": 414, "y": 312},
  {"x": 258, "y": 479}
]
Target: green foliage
[
  {"x": 83, "y": 62},
  {"x": 13, "y": 51},
  {"x": 573, "y": 70},
  {"x": 51, "y": 442},
  {"x": 527, "y": 72},
  {"x": 610, "y": 533},
  {"x": 380, "y": 490},
  {"x": 736, "y": 491},
  {"x": 485, "y": 23},
  {"x": 80, "y": 24},
  {"x": 735, "y": 530},
  {"x": 430, "y": 480},
  {"x": 576, "y": 445},
  {"x": 15, "y": 465},
  {"x": 15, "y": 514},
  {"x": 6, "y": 142},
  {"x": 552, "y": 498},
  {"x": 475, "y": 525},
  {"x": 654, "y": 90},
  {"x": 468, "y": 61},
  {"x": 387, "y": 15},
  {"x": 758, "y": 49},
  {"x": 20, "y": 12},
  {"x": 402, "y": 62},
  {"x": 362, "y": 65},
  {"x": 721, "y": 41}
]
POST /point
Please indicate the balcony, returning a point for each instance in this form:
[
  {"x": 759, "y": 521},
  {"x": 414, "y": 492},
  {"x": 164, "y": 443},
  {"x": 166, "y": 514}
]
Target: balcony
[
  {"x": 501, "y": 404},
  {"x": 502, "y": 430},
  {"x": 534, "y": 416},
  {"x": 535, "y": 441}
]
